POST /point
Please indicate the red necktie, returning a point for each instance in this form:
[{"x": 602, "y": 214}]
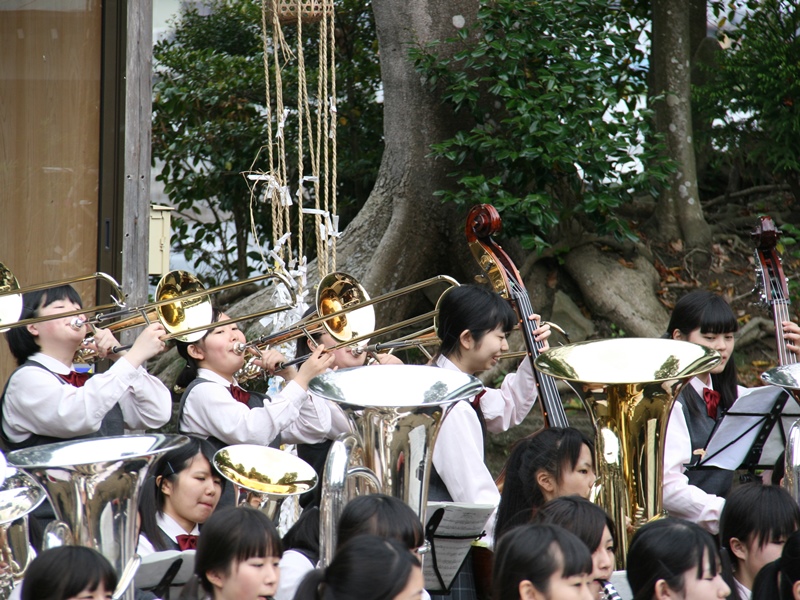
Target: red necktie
[
  {"x": 476, "y": 401},
  {"x": 240, "y": 394},
  {"x": 75, "y": 379},
  {"x": 187, "y": 542},
  {"x": 712, "y": 402}
]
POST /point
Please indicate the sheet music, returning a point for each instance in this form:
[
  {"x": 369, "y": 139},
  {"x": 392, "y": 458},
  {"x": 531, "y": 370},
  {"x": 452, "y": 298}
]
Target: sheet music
[
  {"x": 464, "y": 521},
  {"x": 734, "y": 437},
  {"x": 153, "y": 567}
]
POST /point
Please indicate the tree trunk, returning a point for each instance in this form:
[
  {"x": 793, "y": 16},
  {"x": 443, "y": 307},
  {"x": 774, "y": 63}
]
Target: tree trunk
[
  {"x": 678, "y": 215},
  {"x": 403, "y": 225}
]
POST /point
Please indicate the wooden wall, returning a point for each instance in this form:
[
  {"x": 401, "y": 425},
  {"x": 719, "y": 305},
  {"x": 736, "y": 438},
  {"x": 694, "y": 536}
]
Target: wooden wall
[{"x": 50, "y": 103}]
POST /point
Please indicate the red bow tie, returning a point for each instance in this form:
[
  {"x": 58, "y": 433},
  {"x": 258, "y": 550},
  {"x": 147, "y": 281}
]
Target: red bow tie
[
  {"x": 75, "y": 379},
  {"x": 712, "y": 402},
  {"x": 476, "y": 401},
  {"x": 240, "y": 394},
  {"x": 187, "y": 542}
]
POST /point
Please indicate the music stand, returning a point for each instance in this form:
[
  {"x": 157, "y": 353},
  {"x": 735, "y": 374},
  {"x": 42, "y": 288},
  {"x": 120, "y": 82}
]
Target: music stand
[{"x": 752, "y": 433}]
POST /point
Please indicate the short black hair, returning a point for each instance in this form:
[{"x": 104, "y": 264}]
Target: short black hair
[
  {"x": 234, "y": 534},
  {"x": 579, "y": 516},
  {"x": 64, "y": 572},
  {"x": 385, "y": 516}
]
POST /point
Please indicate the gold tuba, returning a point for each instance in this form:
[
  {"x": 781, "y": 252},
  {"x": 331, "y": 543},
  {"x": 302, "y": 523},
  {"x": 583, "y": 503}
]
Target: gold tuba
[
  {"x": 93, "y": 486},
  {"x": 264, "y": 477},
  {"x": 395, "y": 412},
  {"x": 628, "y": 386}
]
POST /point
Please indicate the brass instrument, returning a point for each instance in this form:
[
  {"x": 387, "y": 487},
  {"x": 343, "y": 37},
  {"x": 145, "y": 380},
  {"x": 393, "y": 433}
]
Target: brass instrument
[
  {"x": 93, "y": 486},
  {"x": 184, "y": 308},
  {"x": 629, "y": 386},
  {"x": 788, "y": 377},
  {"x": 11, "y": 298},
  {"x": 344, "y": 310},
  {"x": 264, "y": 477},
  {"x": 395, "y": 413},
  {"x": 19, "y": 495}
]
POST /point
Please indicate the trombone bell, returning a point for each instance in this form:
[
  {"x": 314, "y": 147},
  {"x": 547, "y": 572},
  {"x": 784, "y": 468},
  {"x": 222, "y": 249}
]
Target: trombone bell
[
  {"x": 10, "y": 303},
  {"x": 181, "y": 315},
  {"x": 337, "y": 292},
  {"x": 629, "y": 386}
]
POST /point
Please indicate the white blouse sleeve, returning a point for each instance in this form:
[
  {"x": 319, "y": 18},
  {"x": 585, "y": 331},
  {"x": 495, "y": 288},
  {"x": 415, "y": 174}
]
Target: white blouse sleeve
[{"x": 508, "y": 406}]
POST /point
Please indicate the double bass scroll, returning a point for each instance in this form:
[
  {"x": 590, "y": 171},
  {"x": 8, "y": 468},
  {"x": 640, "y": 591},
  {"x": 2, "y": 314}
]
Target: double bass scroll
[{"x": 482, "y": 222}]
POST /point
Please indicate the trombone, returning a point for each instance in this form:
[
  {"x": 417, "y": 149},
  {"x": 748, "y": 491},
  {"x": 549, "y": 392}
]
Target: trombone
[
  {"x": 11, "y": 297},
  {"x": 344, "y": 311}
]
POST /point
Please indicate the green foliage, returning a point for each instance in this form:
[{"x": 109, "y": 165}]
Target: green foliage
[
  {"x": 753, "y": 93},
  {"x": 789, "y": 247},
  {"x": 209, "y": 122},
  {"x": 551, "y": 96}
]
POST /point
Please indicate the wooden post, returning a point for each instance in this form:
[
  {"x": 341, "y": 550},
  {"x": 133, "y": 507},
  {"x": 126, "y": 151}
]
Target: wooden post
[{"x": 136, "y": 184}]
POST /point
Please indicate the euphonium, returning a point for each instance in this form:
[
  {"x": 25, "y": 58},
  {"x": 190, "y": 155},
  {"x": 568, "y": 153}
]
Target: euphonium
[
  {"x": 19, "y": 495},
  {"x": 264, "y": 477},
  {"x": 93, "y": 487},
  {"x": 629, "y": 386},
  {"x": 395, "y": 413}
]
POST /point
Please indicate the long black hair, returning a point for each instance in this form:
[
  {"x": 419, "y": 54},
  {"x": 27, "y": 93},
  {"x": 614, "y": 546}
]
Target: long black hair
[
  {"x": 534, "y": 553},
  {"x": 553, "y": 450},
  {"x": 189, "y": 372},
  {"x": 776, "y": 579},
  {"x": 234, "y": 534},
  {"x": 666, "y": 549},
  {"x": 64, "y": 572},
  {"x": 709, "y": 313},
  {"x": 20, "y": 341},
  {"x": 474, "y": 308},
  {"x": 579, "y": 516},
  {"x": 365, "y": 568},
  {"x": 167, "y": 468}
]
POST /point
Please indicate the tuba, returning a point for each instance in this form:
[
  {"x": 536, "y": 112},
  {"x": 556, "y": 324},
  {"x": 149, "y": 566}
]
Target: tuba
[
  {"x": 628, "y": 388},
  {"x": 264, "y": 477},
  {"x": 93, "y": 487},
  {"x": 19, "y": 495},
  {"x": 395, "y": 412}
]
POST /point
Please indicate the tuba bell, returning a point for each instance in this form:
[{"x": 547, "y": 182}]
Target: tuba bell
[
  {"x": 395, "y": 413},
  {"x": 19, "y": 495},
  {"x": 628, "y": 387},
  {"x": 264, "y": 477},
  {"x": 93, "y": 487}
]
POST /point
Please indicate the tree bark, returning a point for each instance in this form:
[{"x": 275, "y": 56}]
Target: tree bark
[{"x": 678, "y": 215}]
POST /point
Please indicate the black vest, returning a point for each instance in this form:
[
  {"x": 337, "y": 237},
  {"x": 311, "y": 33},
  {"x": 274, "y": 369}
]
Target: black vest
[
  {"x": 709, "y": 479},
  {"x": 112, "y": 424}
]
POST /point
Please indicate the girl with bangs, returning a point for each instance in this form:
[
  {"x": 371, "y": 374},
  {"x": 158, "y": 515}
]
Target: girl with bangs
[
  {"x": 780, "y": 579},
  {"x": 474, "y": 323},
  {"x": 670, "y": 558},
  {"x": 698, "y": 495},
  {"x": 238, "y": 555},
  {"x": 69, "y": 573},
  {"x": 541, "y": 562},
  {"x": 754, "y": 526}
]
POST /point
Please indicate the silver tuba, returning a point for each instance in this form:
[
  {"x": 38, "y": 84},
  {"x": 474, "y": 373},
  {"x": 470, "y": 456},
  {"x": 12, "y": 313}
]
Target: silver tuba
[
  {"x": 788, "y": 377},
  {"x": 395, "y": 412},
  {"x": 628, "y": 387},
  {"x": 19, "y": 495},
  {"x": 93, "y": 487},
  {"x": 264, "y": 477}
]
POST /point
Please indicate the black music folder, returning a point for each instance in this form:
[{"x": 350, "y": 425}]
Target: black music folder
[{"x": 451, "y": 530}]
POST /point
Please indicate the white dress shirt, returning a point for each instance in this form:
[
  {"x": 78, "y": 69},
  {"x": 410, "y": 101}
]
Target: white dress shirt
[
  {"x": 211, "y": 410},
  {"x": 458, "y": 451},
  {"x": 294, "y": 567},
  {"x": 42, "y": 403},
  {"x": 680, "y": 498},
  {"x": 170, "y": 528}
]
